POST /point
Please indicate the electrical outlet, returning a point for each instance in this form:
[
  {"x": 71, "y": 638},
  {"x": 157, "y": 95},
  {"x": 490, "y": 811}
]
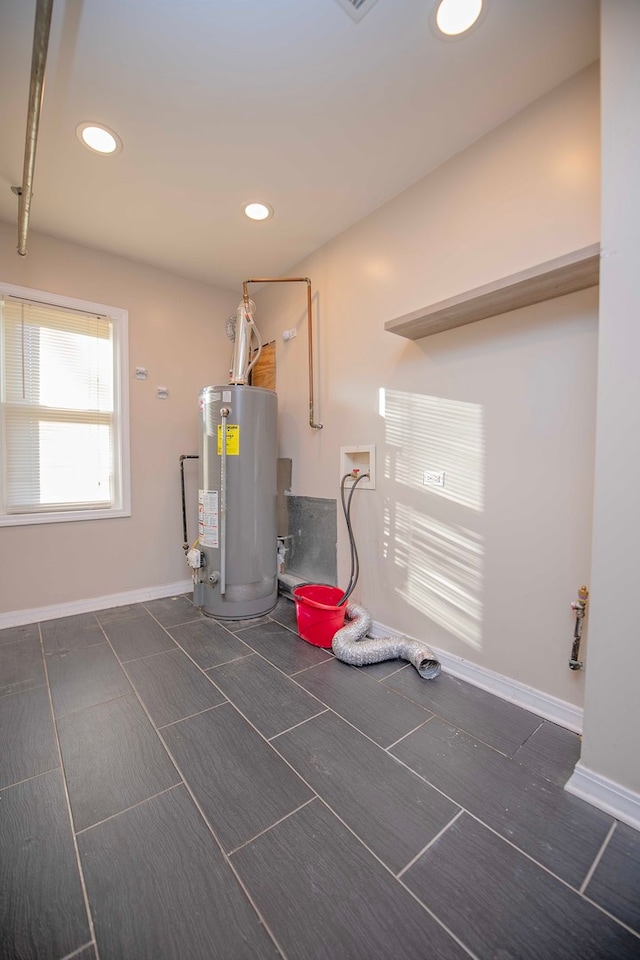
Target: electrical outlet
[{"x": 433, "y": 478}]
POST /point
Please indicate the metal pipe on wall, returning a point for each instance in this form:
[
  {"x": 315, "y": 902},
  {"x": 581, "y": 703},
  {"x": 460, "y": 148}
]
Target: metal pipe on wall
[
  {"x": 183, "y": 457},
  {"x": 41, "y": 31},
  {"x": 224, "y": 416},
  {"x": 580, "y": 607},
  {"x": 245, "y": 296}
]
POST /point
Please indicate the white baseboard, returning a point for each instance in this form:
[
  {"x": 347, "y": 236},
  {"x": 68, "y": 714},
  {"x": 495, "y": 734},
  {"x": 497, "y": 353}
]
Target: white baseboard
[
  {"x": 612, "y": 797},
  {"x": 38, "y": 614},
  {"x": 551, "y": 708}
]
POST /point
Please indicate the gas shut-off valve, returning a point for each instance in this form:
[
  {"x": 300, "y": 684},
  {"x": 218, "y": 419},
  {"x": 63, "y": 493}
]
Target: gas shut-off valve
[{"x": 580, "y": 607}]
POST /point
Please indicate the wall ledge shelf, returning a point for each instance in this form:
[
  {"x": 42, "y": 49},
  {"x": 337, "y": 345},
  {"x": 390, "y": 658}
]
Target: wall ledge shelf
[{"x": 567, "y": 274}]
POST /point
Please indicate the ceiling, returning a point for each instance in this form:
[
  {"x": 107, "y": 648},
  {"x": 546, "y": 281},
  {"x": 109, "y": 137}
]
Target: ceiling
[{"x": 288, "y": 101}]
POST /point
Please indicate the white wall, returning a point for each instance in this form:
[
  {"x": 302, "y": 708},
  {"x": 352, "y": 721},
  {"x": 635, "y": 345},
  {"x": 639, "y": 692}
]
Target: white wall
[
  {"x": 612, "y": 717},
  {"x": 487, "y": 570},
  {"x": 176, "y": 330}
]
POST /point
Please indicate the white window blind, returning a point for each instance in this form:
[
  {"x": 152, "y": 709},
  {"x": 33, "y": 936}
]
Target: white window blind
[{"x": 61, "y": 412}]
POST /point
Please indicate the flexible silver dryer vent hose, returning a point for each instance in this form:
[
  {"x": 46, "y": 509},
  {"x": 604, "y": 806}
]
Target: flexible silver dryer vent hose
[{"x": 349, "y": 646}]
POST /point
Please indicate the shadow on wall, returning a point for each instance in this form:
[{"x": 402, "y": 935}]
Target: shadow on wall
[{"x": 437, "y": 564}]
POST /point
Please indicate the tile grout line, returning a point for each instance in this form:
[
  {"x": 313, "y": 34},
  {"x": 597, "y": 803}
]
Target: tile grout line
[
  {"x": 225, "y": 663},
  {"x": 296, "y": 725},
  {"x": 90, "y": 706},
  {"x": 524, "y": 853},
  {"x": 100, "y": 625},
  {"x": 155, "y": 619},
  {"x": 555, "y": 876},
  {"x": 354, "y": 834},
  {"x": 333, "y": 812},
  {"x": 273, "y": 825},
  {"x": 470, "y": 733},
  {"x": 419, "y": 727},
  {"x": 311, "y": 666},
  {"x": 381, "y": 682},
  {"x": 292, "y": 678},
  {"x": 433, "y": 840},
  {"x": 393, "y": 672},
  {"x": 375, "y": 856},
  {"x": 431, "y": 713},
  {"x": 182, "y": 623},
  {"x": 565, "y": 883},
  {"x": 611, "y": 916},
  {"x": 462, "y": 809},
  {"x": 17, "y": 693},
  {"x": 133, "y": 806},
  {"x": 449, "y": 723},
  {"x": 262, "y": 920},
  {"x": 9, "y": 786},
  {"x": 440, "y": 922},
  {"x": 400, "y": 881},
  {"x": 80, "y": 950},
  {"x": 204, "y": 670},
  {"x": 64, "y": 653},
  {"x": 287, "y": 676},
  {"x": 532, "y": 734},
  {"x": 147, "y": 656},
  {"x": 597, "y": 858},
  {"x": 178, "y": 646},
  {"x": 347, "y": 827},
  {"x": 172, "y": 723},
  {"x": 500, "y": 836},
  {"x": 74, "y": 840}
]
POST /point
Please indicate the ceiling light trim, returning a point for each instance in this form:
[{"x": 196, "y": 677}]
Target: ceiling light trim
[
  {"x": 462, "y": 34},
  {"x": 260, "y": 211},
  {"x": 87, "y": 125}
]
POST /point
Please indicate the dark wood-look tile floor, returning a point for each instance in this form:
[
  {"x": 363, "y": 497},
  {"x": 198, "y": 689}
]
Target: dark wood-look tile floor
[{"x": 176, "y": 788}]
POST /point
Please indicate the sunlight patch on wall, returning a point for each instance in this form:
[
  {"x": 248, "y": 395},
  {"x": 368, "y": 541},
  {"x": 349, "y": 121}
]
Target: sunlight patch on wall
[
  {"x": 437, "y": 568},
  {"x": 425, "y": 433}
]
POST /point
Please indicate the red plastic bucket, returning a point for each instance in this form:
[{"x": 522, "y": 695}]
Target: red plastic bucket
[{"x": 317, "y": 613}]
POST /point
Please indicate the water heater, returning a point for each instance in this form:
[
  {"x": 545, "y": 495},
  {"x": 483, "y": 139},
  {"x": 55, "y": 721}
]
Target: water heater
[{"x": 237, "y": 496}]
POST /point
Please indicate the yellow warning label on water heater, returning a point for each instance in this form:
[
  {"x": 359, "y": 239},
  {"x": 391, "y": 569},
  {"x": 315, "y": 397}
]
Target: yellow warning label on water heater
[{"x": 233, "y": 439}]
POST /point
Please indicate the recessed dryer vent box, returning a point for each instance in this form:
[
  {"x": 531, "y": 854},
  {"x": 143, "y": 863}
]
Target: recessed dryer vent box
[{"x": 361, "y": 457}]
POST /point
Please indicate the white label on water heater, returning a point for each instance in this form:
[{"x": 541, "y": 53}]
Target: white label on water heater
[
  {"x": 208, "y": 518},
  {"x": 226, "y": 396}
]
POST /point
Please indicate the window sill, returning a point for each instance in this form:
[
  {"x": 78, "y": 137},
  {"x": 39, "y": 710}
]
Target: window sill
[{"x": 61, "y": 516}]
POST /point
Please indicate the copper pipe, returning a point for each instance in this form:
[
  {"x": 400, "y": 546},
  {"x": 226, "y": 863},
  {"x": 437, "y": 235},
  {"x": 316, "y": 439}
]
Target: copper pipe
[
  {"x": 245, "y": 296},
  {"x": 36, "y": 94}
]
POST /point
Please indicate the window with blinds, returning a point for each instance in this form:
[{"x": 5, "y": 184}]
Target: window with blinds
[{"x": 62, "y": 409}]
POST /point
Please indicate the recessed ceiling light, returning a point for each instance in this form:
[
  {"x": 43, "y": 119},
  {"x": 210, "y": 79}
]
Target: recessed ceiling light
[
  {"x": 454, "y": 17},
  {"x": 99, "y": 138},
  {"x": 257, "y": 210}
]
